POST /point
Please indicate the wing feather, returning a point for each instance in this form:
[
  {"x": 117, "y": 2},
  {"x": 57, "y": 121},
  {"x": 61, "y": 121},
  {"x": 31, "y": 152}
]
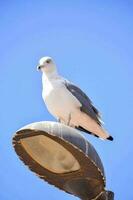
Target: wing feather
[{"x": 87, "y": 105}]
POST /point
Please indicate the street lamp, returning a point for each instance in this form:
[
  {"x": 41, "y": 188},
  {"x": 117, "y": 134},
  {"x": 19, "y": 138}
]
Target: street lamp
[{"x": 61, "y": 156}]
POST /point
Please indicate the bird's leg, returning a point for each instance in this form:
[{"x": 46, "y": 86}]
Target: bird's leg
[
  {"x": 69, "y": 119},
  {"x": 59, "y": 120}
]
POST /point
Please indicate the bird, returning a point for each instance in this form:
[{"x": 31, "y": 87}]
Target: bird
[{"x": 68, "y": 103}]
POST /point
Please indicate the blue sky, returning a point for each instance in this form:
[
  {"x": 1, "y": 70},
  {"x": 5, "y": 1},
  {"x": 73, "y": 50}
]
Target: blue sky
[{"x": 92, "y": 44}]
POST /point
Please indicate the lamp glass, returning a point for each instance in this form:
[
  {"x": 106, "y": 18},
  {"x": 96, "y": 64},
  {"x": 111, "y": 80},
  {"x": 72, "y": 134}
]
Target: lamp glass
[{"x": 50, "y": 154}]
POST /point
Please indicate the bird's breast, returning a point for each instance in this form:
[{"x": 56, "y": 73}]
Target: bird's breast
[{"x": 59, "y": 100}]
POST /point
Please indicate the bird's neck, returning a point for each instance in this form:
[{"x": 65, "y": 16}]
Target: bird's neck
[{"x": 50, "y": 76}]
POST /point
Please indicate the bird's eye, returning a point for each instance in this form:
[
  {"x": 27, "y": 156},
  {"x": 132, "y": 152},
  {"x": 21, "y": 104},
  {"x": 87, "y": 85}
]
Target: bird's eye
[{"x": 48, "y": 61}]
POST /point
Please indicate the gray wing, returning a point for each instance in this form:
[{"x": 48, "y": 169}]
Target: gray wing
[{"x": 87, "y": 105}]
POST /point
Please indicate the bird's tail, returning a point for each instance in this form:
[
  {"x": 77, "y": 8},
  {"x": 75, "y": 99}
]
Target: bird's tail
[{"x": 87, "y": 124}]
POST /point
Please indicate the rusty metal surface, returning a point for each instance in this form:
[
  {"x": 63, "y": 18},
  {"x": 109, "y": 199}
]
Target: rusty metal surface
[{"x": 90, "y": 177}]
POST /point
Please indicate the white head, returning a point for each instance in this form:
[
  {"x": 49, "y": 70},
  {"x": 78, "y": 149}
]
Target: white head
[{"x": 47, "y": 65}]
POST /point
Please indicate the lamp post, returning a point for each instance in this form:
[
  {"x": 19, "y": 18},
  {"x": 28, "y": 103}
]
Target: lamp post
[{"x": 61, "y": 156}]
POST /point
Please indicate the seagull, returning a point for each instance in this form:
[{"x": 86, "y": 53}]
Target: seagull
[{"x": 68, "y": 103}]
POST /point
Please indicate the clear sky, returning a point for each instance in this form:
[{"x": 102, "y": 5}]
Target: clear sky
[{"x": 92, "y": 44}]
